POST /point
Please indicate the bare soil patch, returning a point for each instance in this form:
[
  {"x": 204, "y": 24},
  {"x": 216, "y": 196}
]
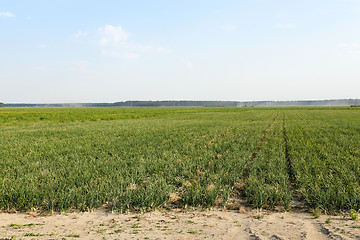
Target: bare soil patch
[{"x": 178, "y": 224}]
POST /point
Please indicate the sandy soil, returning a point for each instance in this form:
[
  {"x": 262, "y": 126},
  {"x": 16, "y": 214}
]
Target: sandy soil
[{"x": 178, "y": 224}]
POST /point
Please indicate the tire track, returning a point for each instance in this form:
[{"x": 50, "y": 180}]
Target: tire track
[
  {"x": 237, "y": 199},
  {"x": 297, "y": 201},
  {"x": 289, "y": 161},
  {"x": 258, "y": 147}
]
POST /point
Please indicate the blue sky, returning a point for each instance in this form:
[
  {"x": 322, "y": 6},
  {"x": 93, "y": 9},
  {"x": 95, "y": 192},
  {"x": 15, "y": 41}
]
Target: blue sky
[{"x": 107, "y": 51}]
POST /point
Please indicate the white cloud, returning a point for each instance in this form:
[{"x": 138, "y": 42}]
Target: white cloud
[
  {"x": 188, "y": 64},
  {"x": 112, "y": 35},
  {"x": 83, "y": 67},
  {"x": 144, "y": 48},
  {"x": 114, "y": 41},
  {"x": 7, "y": 14},
  {"x": 131, "y": 55},
  {"x": 116, "y": 54},
  {"x": 40, "y": 68},
  {"x": 348, "y": 45},
  {"x": 228, "y": 27},
  {"x": 349, "y": 49},
  {"x": 342, "y": 45},
  {"x": 42, "y": 46},
  {"x": 285, "y": 25},
  {"x": 80, "y": 34}
]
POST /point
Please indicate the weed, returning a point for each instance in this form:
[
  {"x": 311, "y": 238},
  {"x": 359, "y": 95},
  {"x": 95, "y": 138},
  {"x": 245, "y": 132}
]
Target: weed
[
  {"x": 192, "y": 231},
  {"x": 354, "y": 215},
  {"x": 316, "y": 212},
  {"x": 135, "y": 226},
  {"x": 33, "y": 235},
  {"x": 73, "y": 235}
]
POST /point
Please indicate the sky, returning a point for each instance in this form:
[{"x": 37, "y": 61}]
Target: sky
[{"x": 66, "y": 51}]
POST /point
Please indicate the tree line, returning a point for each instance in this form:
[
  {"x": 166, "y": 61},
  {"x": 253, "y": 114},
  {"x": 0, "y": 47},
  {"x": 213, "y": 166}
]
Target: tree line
[{"x": 187, "y": 103}]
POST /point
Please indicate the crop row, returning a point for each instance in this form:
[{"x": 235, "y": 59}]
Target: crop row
[
  {"x": 178, "y": 159},
  {"x": 310, "y": 154},
  {"x": 268, "y": 182},
  {"x": 125, "y": 159},
  {"x": 323, "y": 146}
]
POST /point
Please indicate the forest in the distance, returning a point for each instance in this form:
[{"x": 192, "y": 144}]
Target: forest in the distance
[{"x": 186, "y": 103}]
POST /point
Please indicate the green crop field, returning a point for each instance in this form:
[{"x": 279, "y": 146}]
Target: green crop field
[{"x": 56, "y": 159}]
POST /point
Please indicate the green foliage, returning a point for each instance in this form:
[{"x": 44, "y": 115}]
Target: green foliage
[
  {"x": 70, "y": 161},
  {"x": 56, "y": 159},
  {"x": 268, "y": 182},
  {"x": 316, "y": 212},
  {"x": 354, "y": 215},
  {"x": 325, "y": 151}
]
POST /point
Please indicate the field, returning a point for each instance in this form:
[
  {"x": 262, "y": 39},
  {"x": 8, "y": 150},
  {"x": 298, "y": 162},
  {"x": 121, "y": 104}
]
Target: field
[{"x": 121, "y": 159}]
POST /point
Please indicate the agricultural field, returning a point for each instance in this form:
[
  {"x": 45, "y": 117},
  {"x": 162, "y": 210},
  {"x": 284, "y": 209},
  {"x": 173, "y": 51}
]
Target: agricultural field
[{"x": 121, "y": 159}]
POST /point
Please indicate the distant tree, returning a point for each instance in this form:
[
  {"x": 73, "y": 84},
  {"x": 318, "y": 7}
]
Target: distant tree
[{"x": 2, "y": 104}]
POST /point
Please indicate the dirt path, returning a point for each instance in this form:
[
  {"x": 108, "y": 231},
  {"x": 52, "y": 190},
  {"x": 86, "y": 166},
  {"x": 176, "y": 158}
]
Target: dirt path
[{"x": 177, "y": 224}]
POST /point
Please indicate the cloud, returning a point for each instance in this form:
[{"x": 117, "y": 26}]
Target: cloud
[
  {"x": 42, "y": 46},
  {"x": 131, "y": 55},
  {"x": 80, "y": 34},
  {"x": 188, "y": 64},
  {"x": 285, "y": 25},
  {"x": 40, "y": 68},
  {"x": 144, "y": 48},
  {"x": 7, "y": 14},
  {"x": 348, "y": 45},
  {"x": 117, "y": 54},
  {"x": 342, "y": 45},
  {"x": 349, "y": 49},
  {"x": 114, "y": 41},
  {"x": 112, "y": 35},
  {"x": 228, "y": 27},
  {"x": 83, "y": 67}
]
